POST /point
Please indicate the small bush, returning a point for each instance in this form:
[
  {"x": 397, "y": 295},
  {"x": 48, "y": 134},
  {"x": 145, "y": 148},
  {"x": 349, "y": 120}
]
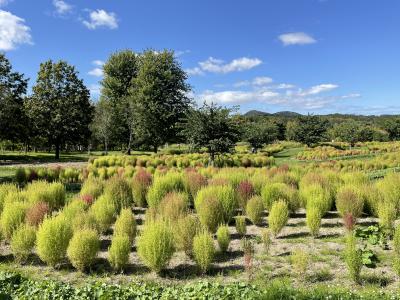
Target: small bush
[
  {"x": 174, "y": 205},
  {"x": 118, "y": 253},
  {"x": 240, "y": 224},
  {"x": 155, "y": 245},
  {"x": 278, "y": 216},
  {"x": 126, "y": 224},
  {"x": 396, "y": 240},
  {"x": 51, "y": 193},
  {"x": 119, "y": 191},
  {"x": 185, "y": 230},
  {"x": 387, "y": 216},
  {"x": 210, "y": 213},
  {"x": 203, "y": 250},
  {"x": 84, "y": 220},
  {"x": 245, "y": 191},
  {"x": 6, "y": 189},
  {"x": 194, "y": 182},
  {"x": 93, "y": 187},
  {"x": 316, "y": 196},
  {"x": 248, "y": 251},
  {"x": 353, "y": 258},
  {"x": 396, "y": 265},
  {"x": 223, "y": 238},
  {"x": 171, "y": 182},
  {"x": 140, "y": 185},
  {"x": 300, "y": 261},
  {"x": 349, "y": 200},
  {"x": 266, "y": 239},
  {"x": 74, "y": 208},
  {"x": 82, "y": 249},
  {"x": 12, "y": 217},
  {"x": 313, "y": 220},
  {"x": 36, "y": 213},
  {"x": 52, "y": 241},
  {"x": 279, "y": 191},
  {"x": 23, "y": 242},
  {"x": 255, "y": 209},
  {"x": 103, "y": 210}
]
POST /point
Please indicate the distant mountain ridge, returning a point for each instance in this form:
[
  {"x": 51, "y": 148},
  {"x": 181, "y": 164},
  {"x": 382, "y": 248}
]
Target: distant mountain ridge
[{"x": 257, "y": 113}]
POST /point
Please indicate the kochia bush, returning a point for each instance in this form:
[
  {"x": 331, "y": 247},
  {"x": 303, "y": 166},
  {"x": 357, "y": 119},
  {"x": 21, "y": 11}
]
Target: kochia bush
[
  {"x": 93, "y": 187},
  {"x": 140, "y": 185},
  {"x": 280, "y": 191},
  {"x": 349, "y": 200},
  {"x": 313, "y": 219},
  {"x": 203, "y": 250},
  {"x": 174, "y": 205},
  {"x": 23, "y": 242},
  {"x": 171, "y": 182},
  {"x": 82, "y": 249},
  {"x": 119, "y": 191},
  {"x": 125, "y": 224},
  {"x": 184, "y": 231},
  {"x": 223, "y": 238},
  {"x": 12, "y": 217},
  {"x": 36, "y": 213},
  {"x": 255, "y": 209},
  {"x": 278, "y": 216},
  {"x": 210, "y": 211},
  {"x": 118, "y": 253},
  {"x": 104, "y": 211}
]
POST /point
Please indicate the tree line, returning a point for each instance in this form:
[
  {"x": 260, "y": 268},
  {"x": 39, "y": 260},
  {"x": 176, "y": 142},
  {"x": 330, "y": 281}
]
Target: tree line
[{"x": 144, "y": 104}]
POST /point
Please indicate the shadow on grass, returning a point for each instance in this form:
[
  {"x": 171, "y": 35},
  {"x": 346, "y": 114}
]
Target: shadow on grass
[{"x": 295, "y": 235}]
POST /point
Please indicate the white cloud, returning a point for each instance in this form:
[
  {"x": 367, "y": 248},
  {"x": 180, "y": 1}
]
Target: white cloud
[
  {"x": 62, "y": 7},
  {"x": 98, "y": 71},
  {"x": 215, "y": 65},
  {"x": 101, "y": 18},
  {"x": 258, "y": 81},
  {"x": 98, "y": 62},
  {"x": 5, "y": 2},
  {"x": 194, "y": 71},
  {"x": 179, "y": 53},
  {"x": 237, "y": 97},
  {"x": 284, "y": 86},
  {"x": 95, "y": 90},
  {"x": 13, "y": 31},
  {"x": 296, "y": 38},
  {"x": 352, "y": 95},
  {"x": 317, "y": 89}
]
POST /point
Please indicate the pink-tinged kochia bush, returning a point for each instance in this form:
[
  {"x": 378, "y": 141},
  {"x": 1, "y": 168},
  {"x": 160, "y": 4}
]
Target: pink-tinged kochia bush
[{"x": 141, "y": 182}]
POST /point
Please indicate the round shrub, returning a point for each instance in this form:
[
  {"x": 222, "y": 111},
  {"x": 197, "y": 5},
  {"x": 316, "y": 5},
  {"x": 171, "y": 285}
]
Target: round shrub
[
  {"x": 93, "y": 187},
  {"x": 300, "y": 261},
  {"x": 84, "y": 220},
  {"x": 279, "y": 191},
  {"x": 184, "y": 231},
  {"x": 140, "y": 185},
  {"x": 387, "y": 216},
  {"x": 6, "y": 189},
  {"x": 155, "y": 245},
  {"x": 210, "y": 213},
  {"x": 313, "y": 220},
  {"x": 74, "y": 208},
  {"x": 316, "y": 196},
  {"x": 118, "y": 253},
  {"x": 104, "y": 211},
  {"x": 255, "y": 209},
  {"x": 278, "y": 216},
  {"x": 51, "y": 193},
  {"x": 240, "y": 224},
  {"x": 12, "y": 217},
  {"x": 171, "y": 182},
  {"x": 203, "y": 250},
  {"x": 119, "y": 191},
  {"x": 174, "y": 205},
  {"x": 245, "y": 191},
  {"x": 194, "y": 182},
  {"x": 126, "y": 224},
  {"x": 52, "y": 240},
  {"x": 223, "y": 238},
  {"x": 23, "y": 242},
  {"x": 82, "y": 249},
  {"x": 349, "y": 200},
  {"x": 36, "y": 213}
]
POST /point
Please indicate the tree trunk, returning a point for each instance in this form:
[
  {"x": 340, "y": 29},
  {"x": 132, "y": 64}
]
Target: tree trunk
[
  {"x": 105, "y": 147},
  {"x": 57, "y": 150},
  {"x": 155, "y": 148}
]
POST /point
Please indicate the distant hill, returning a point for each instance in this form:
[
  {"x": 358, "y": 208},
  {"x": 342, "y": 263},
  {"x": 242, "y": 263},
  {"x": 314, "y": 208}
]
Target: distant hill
[{"x": 257, "y": 113}]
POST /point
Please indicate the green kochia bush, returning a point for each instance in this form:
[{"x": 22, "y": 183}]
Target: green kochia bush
[
  {"x": 126, "y": 224},
  {"x": 349, "y": 200},
  {"x": 52, "y": 241},
  {"x": 314, "y": 195},
  {"x": 155, "y": 245},
  {"x": 119, "y": 191},
  {"x": 278, "y": 216},
  {"x": 184, "y": 231},
  {"x": 203, "y": 250},
  {"x": 279, "y": 191},
  {"x": 171, "y": 182},
  {"x": 255, "y": 209},
  {"x": 210, "y": 213},
  {"x": 118, "y": 253},
  {"x": 23, "y": 242},
  {"x": 93, "y": 187},
  {"x": 82, "y": 249},
  {"x": 104, "y": 211},
  {"x": 174, "y": 205},
  {"x": 6, "y": 189},
  {"x": 313, "y": 219},
  {"x": 51, "y": 193},
  {"x": 240, "y": 224},
  {"x": 12, "y": 217},
  {"x": 223, "y": 238},
  {"x": 353, "y": 258}
]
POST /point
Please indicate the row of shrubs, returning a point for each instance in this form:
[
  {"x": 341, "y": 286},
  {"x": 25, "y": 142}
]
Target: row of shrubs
[{"x": 66, "y": 175}]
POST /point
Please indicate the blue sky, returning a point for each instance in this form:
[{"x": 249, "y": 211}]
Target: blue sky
[{"x": 319, "y": 56}]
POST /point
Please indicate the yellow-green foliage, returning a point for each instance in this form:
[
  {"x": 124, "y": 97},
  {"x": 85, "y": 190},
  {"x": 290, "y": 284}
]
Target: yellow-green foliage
[
  {"x": 119, "y": 191},
  {"x": 171, "y": 182},
  {"x": 223, "y": 238},
  {"x": 155, "y": 245},
  {"x": 316, "y": 196},
  {"x": 259, "y": 180},
  {"x": 84, "y": 220},
  {"x": 210, "y": 211},
  {"x": 184, "y": 231},
  {"x": 51, "y": 193},
  {"x": 396, "y": 241},
  {"x": 349, "y": 200},
  {"x": 118, "y": 253},
  {"x": 74, "y": 208},
  {"x": 174, "y": 205},
  {"x": 280, "y": 191},
  {"x": 126, "y": 224},
  {"x": 255, "y": 209},
  {"x": 224, "y": 194},
  {"x": 313, "y": 219},
  {"x": 390, "y": 189},
  {"x": 203, "y": 250},
  {"x": 104, "y": 212},
  {"x": 23, "y": 242},
  {"x": 93, "y": 187},
  {"x": 300, "y": 261},
  {"x": 52, "y": 240},
  {"x": 12, "y": 217},
  {"x": 266, "y": 239},
  {"x": 234, "y": 176},
  {"x": 353, "y": 258},
  {"x": 278, "y": 216},
  {"x": 387, "y": 215},
  {"x": 82, "y": 249},
  {"x": 240, "y": 224},
  {"x": 5, "y": 189}
]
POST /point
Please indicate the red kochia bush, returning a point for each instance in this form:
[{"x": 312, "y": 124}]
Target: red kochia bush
[
  {"x": 88, "y": 199},
  {"x": 35, "y": 215},
  {"x": 349, "y": 221},
  {"x": 140, "y": 184},
  {"x": 194, "y": 181},
  {"x": 245, "y": 191}
]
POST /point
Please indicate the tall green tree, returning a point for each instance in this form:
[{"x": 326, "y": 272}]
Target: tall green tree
[
  {"x": 120, "y": 70},
  {"x": 60, "y": 107},
  {"x": 348, "y": 131},
  {"x": 13, "y": 121},
  {"x": 212, "y": 127},
  {"x": 257, "y": 134},
  {"x": 102, "y": 125},
  {"x": 159, "y": 97},
  {"x": 308, "y": 130},
  {"x": 392, "y": 126}
]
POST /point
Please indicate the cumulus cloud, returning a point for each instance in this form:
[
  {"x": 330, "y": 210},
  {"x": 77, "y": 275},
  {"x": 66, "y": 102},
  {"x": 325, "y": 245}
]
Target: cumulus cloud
[
  {"x": 13, "y": 31},
  {"x": 317, "y": 89},
  {"x": 237, "y": 97},
  {"x": 101, "y": 18},
  {"x": 98, "y": 71},
  {"x": 296, "y": 38},
  {"x": 215, "y": 65},
  {"x": 179, "y": 53},
  {"x": 258, "y": 81},
  {"x": 62, "y": 7}
]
